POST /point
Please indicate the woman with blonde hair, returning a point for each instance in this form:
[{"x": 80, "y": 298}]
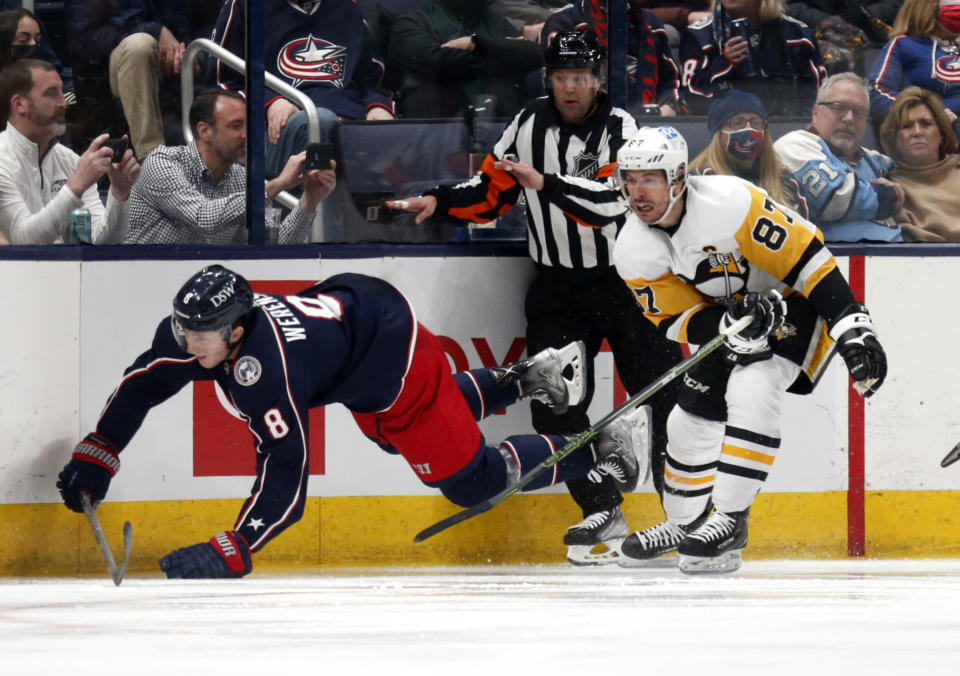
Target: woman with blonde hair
[
  {"x": 924, "y": 52},
  {"x": 917, "y": 133},
  {"x": 741, "y": 145}
]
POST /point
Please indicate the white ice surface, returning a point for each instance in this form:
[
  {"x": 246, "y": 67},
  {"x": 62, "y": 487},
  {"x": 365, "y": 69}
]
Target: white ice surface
[{"x": 856, "y": 618}]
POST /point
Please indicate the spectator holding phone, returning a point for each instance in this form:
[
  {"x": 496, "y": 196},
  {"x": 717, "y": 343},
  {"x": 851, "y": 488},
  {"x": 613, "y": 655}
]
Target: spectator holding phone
[
  {"x": 755, "y": 46},
  {"x": 196, "y": 194},
  {"x": 41, "y": 181}
]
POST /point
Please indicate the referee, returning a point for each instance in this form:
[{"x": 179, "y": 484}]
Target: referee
[{"x": 562, "y": 151}]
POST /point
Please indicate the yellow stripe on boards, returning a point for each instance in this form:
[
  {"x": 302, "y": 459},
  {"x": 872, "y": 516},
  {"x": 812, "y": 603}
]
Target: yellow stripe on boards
[{"x": 48, "y": 539}]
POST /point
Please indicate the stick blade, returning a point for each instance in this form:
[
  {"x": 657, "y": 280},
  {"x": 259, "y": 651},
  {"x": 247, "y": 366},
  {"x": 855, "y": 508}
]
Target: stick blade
[
  {"x": 951, "y": 457},
  {"x": 127, "y": 546},
  {"x": 453, "y": 520}
]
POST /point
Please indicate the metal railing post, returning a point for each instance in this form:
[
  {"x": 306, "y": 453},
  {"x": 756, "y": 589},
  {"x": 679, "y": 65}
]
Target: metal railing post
[{"x": 230, "y": 59}]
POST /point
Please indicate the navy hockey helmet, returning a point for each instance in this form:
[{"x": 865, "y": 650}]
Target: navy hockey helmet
[
  {"x": 575, "y": 49},
  {"x": 214, "y": 299}
]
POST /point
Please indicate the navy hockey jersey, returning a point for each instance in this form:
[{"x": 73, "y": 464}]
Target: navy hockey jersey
[
  {"x": 327, "y": 53},
  {"x": 791, "y": 68},
  {"x": 348, "y": 340}
]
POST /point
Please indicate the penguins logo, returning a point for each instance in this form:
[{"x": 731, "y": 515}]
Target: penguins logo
[{"x": 312, "y": 59}]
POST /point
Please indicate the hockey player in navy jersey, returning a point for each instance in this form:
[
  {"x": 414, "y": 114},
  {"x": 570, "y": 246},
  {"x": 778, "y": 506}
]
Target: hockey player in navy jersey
[{"x": 353, "y": 340}]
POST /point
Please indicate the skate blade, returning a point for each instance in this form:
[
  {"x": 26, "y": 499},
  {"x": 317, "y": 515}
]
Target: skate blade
[
  {"x": 662, "y": 561},
  {"x": 728, "y": 562},
  {"x": 594, "y": 555}
]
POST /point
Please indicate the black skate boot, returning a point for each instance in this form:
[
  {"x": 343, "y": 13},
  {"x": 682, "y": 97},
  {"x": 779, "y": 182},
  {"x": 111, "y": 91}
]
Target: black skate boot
[
  {"x": 716, "y": 546},
  {"x": 606, "y": 528},
  {"x": 623, "y": 450},
  {"x": 638, "y": 549}
]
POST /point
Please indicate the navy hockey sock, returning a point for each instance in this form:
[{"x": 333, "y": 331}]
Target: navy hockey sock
[
  {"x": 532, "y": 449},
  {"x": 484, "y": 396}
]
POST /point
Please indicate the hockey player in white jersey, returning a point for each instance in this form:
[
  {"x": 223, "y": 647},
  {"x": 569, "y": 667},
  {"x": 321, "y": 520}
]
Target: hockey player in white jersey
[{"x": 699, "y": 253}]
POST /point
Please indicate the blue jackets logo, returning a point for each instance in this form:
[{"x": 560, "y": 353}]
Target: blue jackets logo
[
  {"x": 247, "y": 371},
  {"x": 312, "y": 59}
]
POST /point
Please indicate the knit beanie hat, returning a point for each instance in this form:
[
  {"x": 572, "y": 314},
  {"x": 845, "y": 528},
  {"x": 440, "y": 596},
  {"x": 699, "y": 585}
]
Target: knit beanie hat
[{"x": 734, "y": 101}]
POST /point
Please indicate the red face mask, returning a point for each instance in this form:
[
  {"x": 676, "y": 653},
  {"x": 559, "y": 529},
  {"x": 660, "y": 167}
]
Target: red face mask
[{"x": 949, "y": 18}]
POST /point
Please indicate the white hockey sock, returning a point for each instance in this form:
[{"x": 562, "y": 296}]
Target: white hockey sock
[
  {"x": 745, "y": 462},
  {"x": 691, "y": 465}
]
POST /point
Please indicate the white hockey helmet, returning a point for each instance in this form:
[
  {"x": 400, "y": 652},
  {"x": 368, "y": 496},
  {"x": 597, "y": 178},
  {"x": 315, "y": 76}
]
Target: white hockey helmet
[{"x": 650, "y": 149}]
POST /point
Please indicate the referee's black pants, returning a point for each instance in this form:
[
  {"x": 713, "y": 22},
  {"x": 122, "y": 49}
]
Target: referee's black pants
[{"x": 563, "y": 305}]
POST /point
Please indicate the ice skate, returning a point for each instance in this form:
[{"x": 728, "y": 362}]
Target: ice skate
[
  {"x": 552, "y": 376},
  {"x": 623, "y": 450},
  {"x": 607, "y": 528},
  {"x": 641, "y": 547},
  {"x": 716, "y": 546}
]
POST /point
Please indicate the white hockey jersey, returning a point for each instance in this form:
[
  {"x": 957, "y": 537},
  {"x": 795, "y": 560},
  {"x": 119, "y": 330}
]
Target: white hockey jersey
[{"x": 733, "y": 238}]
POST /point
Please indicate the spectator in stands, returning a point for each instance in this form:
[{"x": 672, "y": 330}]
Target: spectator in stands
[
  {"x": 676, "y": 15},
  {"x": 654, "y": 84},
  {"x": 924, "y": 52},
  {"x": 741, "y": 145},
  {"x": 135, "y": 46},
  {"x": 19, "y": 35},
  {"x": 755, "y": 46},
  {"x": 527, "y": 16},
  {"x": 41, "y": 181},
  {"x": 455, "y": 53},
  {"x": 873, "y": 18},
  {"x": 849, "y": 194},
  {"x": 323, "y": 49},
  {"x": 844, "y": 29},
  {"x": 564, "y": 148},
  {"x": 22, "y": 37},
  {"x": 917, "y": 133},
  {"x": 196, "y": 194}
]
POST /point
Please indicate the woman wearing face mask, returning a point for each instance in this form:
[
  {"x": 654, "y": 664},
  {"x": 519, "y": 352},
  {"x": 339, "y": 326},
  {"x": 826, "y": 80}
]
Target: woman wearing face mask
[
  {"x": 924, "y": 52},
  {"x": 741, "y": 145},
  {"x": 19, "y": 35}
]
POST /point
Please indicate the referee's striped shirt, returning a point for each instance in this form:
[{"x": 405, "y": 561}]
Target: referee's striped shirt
[{"x": 577, "y": 163}]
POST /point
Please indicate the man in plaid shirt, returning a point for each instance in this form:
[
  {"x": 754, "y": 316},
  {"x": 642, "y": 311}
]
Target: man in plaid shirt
[{"x": 196, "y": 194}]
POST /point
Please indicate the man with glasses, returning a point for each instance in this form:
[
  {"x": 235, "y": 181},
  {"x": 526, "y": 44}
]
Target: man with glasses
[
  {"x": 558, "y": 153},
  {"x": 848, "y": 191}
]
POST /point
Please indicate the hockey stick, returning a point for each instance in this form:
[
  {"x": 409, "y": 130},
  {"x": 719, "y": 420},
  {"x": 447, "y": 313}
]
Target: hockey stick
[
  {"x": 585, "y": 436},
  {"x": 951, "y": 457},
  {"x": 91, "y": 513}
]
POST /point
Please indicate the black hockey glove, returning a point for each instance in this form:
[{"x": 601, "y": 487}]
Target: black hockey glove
[
  {"x": 751, "y": 344},
  {"x": 226, "y": 555},
  {"x": 857, "y": 343},
  {"x": 94, "y": 463}
]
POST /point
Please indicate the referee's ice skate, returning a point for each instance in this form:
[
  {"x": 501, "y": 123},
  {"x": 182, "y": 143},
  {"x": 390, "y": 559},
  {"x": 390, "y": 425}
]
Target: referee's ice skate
[
  {"x": 716, "y": 546},
  {"x": 622, "y": 452},
  {"x": 607, "y": 528},
  {"x": 552, "y": 376}
]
